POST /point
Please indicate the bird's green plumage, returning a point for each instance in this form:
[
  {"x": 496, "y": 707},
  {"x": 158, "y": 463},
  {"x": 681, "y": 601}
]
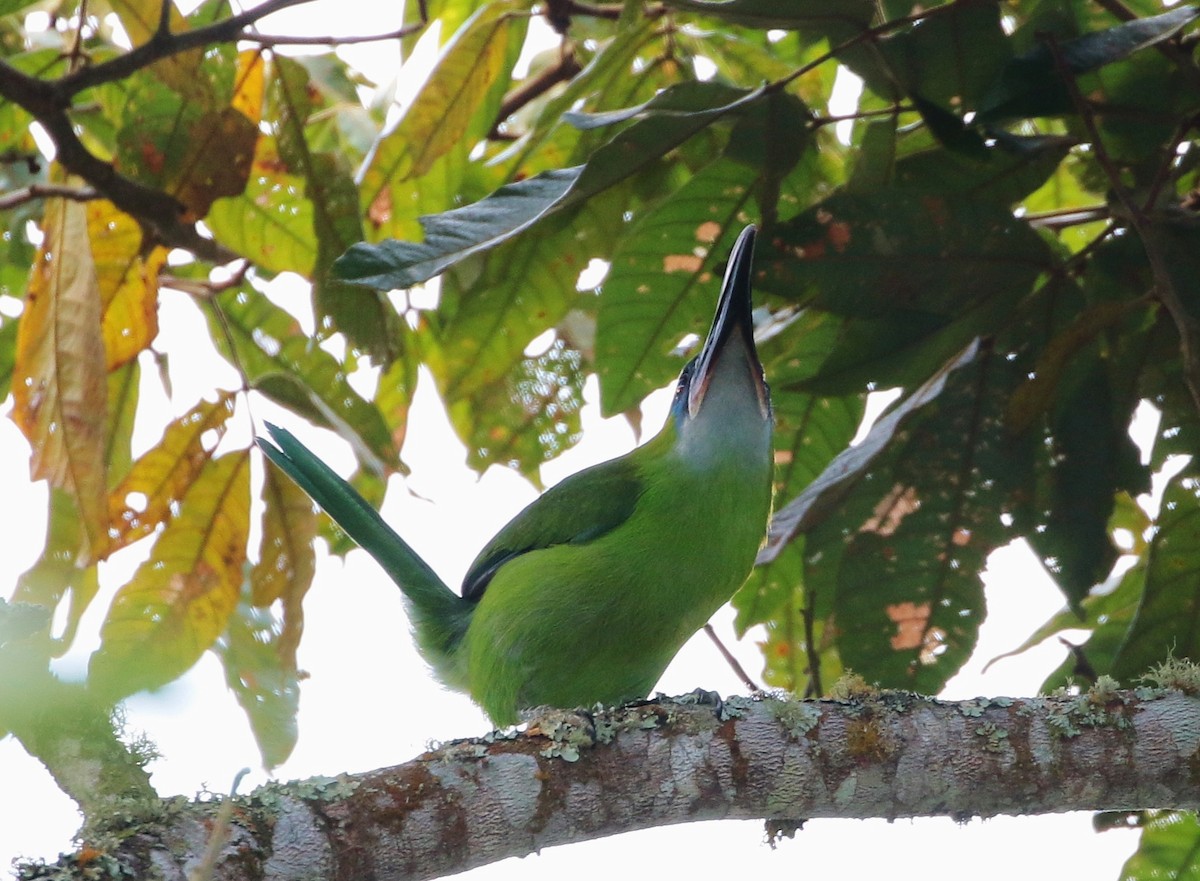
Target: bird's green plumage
[{"x": 587, "y": 594}]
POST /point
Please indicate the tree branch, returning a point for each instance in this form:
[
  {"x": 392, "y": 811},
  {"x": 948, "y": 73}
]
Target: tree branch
[
  {"x": 43, "y": 191},
  {"x": 576, "y": 777}
]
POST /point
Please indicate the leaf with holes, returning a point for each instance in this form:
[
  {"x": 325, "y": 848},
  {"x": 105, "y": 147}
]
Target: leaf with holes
[
  {"x": 158, "y": 481},
  {"x": 128, "y": 282},
  {"x": 664, "y": 282},
  {"x": 59, "y": 387},
  {"x": 180, "y": 600}
]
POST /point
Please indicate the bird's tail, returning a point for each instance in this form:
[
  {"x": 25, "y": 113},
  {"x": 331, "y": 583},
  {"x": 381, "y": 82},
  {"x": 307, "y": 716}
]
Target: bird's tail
[{"x": 439, "y": 615}]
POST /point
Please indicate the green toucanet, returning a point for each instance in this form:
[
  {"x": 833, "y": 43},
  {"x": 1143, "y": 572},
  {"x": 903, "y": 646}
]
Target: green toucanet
[{"x": 587, "y": 594}]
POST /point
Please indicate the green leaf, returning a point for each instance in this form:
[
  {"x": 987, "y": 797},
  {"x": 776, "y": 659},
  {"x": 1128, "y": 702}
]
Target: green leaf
[
  {"x": 180, "y": 600},
  {"x": 684, "y": 99},
  {"x": 447, "y": 107},
  {"x": 1166, "y": 622},
  {"x": 1030, "y": 84},
  {"x": 292, "y": 369},
  {"x": 494, "y": 307},
  {"x": 924, "y": 539},
  {"x": 809, "y": 432},
  {"x": 1169, "y": 848},
  {"x": 663, "y": 283},
  {"x": 271, "y": 221},
  {"x": 821, "y": 496},
  {"x": 455, "y": 235},
  {"x": 363, "y": 316},
  {"x": 895, "y": 250},
  {"x": 8, "y": 7},
  {"x": 61, "y": 569},
  {"x": 8, "y": 354},
  {"x": 263, "y": 679},
  {"x": 531, "y": 416}
]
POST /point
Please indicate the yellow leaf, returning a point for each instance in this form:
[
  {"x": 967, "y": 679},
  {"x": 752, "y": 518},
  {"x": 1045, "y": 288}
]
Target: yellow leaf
[
  {"x": 59, "y": 385},
  {"x": 128, "y": 282},
  {"x": 250, "y": 85},
  {"x": 159, "y": 480},
  {"x": 286, "y": 559},
  {"x": 181, "y": 599},
  {"x": 442, "y": 111},
  {"x": 140, "y": 19}
]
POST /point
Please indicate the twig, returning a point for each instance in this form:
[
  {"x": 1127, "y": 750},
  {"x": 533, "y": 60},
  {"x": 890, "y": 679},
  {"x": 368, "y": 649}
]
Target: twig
[
  {"x": 818, "y": 121},
  {"x": 1170, "y": 157},
  {"x": 814, "y": 688},
  {"x": 285, "y": 40},
  {"x": 738, "y": 670},
  {"x": 162, "y": 45},
  {"x": 222, "y": 823},
  {"x": 204, "y": 289},
  {"x": 535, "y": 86},
  {"x": 1065, "y": 217},
  {"x": 45, "y": 191},
  {"x": 1164, "y": 286}
]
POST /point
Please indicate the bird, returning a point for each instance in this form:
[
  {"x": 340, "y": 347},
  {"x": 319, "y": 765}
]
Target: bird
[{"x": 586, "y": 595}]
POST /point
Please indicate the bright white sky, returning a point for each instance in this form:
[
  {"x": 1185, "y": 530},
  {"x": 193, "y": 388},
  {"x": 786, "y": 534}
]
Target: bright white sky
[{"x": 370, "y": 702}]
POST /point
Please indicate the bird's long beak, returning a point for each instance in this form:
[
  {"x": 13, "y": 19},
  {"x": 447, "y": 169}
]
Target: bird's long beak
[{"x": 734, "y": 320}]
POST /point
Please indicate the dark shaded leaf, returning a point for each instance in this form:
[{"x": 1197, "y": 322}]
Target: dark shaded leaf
[
  {"x": 1168, "y": 617},
  {"x": 897, "y": 250},
  {"x": 918, "y": 530},
  {"x": 823, "y": 494},
  {"x": 1030, "y": 85},
  {"x": 837, "y": 20}
]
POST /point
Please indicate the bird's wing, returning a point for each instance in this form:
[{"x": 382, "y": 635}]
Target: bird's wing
[{"x": 580, "y": 509}]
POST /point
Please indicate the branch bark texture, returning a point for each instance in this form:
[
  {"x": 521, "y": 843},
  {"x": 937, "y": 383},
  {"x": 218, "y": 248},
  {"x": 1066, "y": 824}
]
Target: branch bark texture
[{"x": 575, "y": 777}]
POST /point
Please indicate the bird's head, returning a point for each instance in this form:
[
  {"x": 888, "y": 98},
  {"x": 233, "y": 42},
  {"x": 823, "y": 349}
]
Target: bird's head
[{"x": 722, "y": 392}]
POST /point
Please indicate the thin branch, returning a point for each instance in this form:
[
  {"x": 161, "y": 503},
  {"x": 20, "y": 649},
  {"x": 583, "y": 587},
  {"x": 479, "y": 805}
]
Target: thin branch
[
  {"x": 1065, "y": 217},
  {"x": 1185, "y": 326},
  {"x": 165, "y": 44},
  {"x": 733, "y": 662},
  {"x": 535, "y": 86},
  {"x": 1163, "y": 174},
  {"x": 814, "y": 688},
  {"x": 45, "y": 191},
  {"x": 270, "y": 40},
  {"x": 818, "y": 121}
]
